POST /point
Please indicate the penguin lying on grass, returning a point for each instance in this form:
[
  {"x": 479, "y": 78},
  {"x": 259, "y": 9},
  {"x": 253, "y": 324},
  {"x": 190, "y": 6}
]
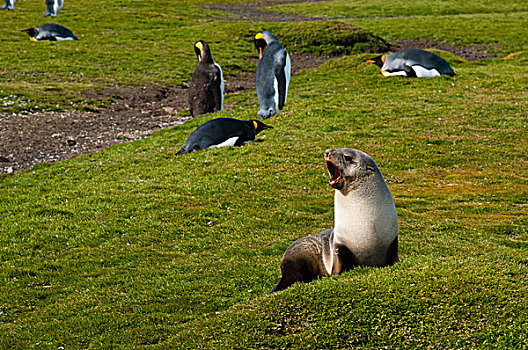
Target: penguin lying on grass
[
  {"x": 412, "y": 63},
  {"x": 206, "y": 90},
  {"x": 221, "y": 132},
  {"x": 9, "y": 5},
  {"x": 53, "y": 7},
  {"x": 273, "y": 74},
  {"x": 51, "y": 32}
]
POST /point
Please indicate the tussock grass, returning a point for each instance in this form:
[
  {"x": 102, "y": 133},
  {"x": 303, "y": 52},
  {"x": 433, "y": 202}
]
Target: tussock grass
[{"x": 135, "y": 246}]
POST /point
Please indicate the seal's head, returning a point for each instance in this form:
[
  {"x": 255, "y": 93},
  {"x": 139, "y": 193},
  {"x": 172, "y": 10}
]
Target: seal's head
[{"x": 348, "y": 168}]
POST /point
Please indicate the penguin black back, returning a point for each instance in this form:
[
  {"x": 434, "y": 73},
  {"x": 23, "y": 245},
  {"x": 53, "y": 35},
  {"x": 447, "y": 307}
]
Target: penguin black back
[
  {"x": 221, "y": 132},
  {"x": 206, "y": 90}
]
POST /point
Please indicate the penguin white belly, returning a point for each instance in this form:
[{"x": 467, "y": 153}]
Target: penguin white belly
[
  {"x": 422, "y": 72},
  {"x": 57, "y": 5},
  {"x": 287, "y": 73},
  {"x": 221, "y": 87},
  {"x": 63, "y": 39},
  {"x": 389, "y": 74},
  {"x": 229, "y": 142},
  {"x": 276, "y": 96}
]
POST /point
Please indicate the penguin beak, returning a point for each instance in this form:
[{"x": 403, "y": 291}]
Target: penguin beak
[
  {"x": 198, "y": 48},
  {"x": 260, "y": 53},
  {"x": 368, "y": 61},
  {"x": 267, "y": 127}
]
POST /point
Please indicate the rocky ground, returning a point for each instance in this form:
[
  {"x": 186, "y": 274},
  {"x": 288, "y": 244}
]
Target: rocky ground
[{"x": 28, "y": 139}]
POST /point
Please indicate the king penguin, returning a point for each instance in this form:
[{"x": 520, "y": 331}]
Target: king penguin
[
  {"x": 206, "y": 90},
  {"x": 412, "y": 63},
  {"x": 273, "y": 74},
  {"x": 222, "y": 132},
  {"x": 9, "y": 5},
  {"x": 53, "y": 7},
  {"x": 50, "y": 32}
]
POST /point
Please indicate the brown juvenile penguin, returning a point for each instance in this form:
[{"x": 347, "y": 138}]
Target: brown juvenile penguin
[
  {"x": 206, "y": 90},
  {"x": 365, "y": 229}
]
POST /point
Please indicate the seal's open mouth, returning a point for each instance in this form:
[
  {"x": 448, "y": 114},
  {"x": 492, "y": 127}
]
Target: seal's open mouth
[{"x": 336, "y": 179}]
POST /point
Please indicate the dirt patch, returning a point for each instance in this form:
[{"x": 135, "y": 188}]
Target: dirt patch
[
  {"x": 135, "y": 111},
  {"x": 252, "y": 11},
  {"x": 26, "y": 140},
  {"x": 470, "y": 53}
]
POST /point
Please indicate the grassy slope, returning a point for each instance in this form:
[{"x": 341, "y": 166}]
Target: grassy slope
[
  {"x": 494, "y": 24},
  {"x": 373, "y": 8},
  {"x": 134, "y": 246},
  {"x": 124, "y": 43}
]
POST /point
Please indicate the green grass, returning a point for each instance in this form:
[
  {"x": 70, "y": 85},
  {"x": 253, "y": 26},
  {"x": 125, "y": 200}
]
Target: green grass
[
  {"x": 375, "y": 8},
  {"x": 135, "y": 246},
  {"x": 494, "y": 24},
  {"x": 134, "y": 43}
]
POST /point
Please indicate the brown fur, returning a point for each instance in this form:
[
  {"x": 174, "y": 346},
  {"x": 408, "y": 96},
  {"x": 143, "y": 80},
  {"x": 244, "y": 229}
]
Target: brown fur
[{"x": 303, "y": 260}]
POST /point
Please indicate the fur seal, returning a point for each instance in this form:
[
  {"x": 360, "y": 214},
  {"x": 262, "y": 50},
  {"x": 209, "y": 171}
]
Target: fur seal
[{"x": 365, "y": 229}]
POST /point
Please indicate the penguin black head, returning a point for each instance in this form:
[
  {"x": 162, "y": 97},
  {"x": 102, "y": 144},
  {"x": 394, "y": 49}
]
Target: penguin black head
[
  {"x": 31, "y": 32},
  {"x": 259, "y": 126},
  {"x": 378, "y": 60},
  {"x": 260, "y": 44},
  {"x": 201, "y": 48}
]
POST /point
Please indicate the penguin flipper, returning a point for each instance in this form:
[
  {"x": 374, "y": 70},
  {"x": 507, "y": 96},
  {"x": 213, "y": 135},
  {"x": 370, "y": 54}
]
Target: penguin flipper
[
  {"x": 409, "y": 71},
  {"x": 241, "y": 141}
]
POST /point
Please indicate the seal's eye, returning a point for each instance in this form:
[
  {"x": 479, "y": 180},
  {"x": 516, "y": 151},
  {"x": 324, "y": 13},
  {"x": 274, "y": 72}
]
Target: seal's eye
[{"x": 348, "y": 159}]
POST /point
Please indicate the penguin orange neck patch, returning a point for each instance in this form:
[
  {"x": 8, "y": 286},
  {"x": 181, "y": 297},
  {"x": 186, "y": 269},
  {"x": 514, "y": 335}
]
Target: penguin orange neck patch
[{"x": 255, "y": 124}]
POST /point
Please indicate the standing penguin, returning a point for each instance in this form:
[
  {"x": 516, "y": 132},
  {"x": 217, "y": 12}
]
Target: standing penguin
[
  {"x": 412, "y": 63},
  {"x": 50, "y": 32},
  {"x": 9, "y": 5},
  {"x": 206, "y": 91},
  {"x": 273, "y": 74},
  {"x": 222, "y": 132},
  {"x": 53, "y": 7}
]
